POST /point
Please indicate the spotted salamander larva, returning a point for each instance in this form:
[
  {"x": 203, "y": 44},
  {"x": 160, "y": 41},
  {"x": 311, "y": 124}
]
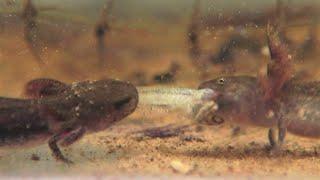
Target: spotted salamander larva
[{"x": 240, "y": 100}]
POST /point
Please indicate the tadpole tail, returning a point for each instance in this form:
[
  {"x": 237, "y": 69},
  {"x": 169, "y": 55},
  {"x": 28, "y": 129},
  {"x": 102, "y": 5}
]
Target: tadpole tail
[{"x": 163, "y": 100}]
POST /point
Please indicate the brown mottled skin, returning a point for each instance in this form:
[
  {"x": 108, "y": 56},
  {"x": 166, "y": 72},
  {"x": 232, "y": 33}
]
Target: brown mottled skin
[
  {"x": 59, "y": 112},
  {"x": 240, "y": 100}
]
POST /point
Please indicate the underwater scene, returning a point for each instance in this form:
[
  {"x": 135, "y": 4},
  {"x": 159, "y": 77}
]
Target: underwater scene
[{"x": 160, "y": 89}]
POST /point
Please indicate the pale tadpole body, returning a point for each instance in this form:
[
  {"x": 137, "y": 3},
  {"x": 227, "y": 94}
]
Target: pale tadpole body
[{"x": 190, "y": 103}]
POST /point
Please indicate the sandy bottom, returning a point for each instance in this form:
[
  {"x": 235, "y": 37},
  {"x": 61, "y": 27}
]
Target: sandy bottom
[{"x": 210, "y": 151}]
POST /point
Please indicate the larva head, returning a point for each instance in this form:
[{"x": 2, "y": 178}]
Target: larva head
[{"x": 236, "y": 96}]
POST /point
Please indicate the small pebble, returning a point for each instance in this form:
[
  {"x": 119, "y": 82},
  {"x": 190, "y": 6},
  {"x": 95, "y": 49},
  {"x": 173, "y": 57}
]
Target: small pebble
[
  {"x": 35, "y": 157},
  {"x": 180, "y": 167}
]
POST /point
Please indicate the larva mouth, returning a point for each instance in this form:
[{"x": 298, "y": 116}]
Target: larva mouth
[{"x": 210, "y": 94}]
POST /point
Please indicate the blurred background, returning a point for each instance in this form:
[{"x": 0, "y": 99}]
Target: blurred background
[{"x": 145, "y": 41}]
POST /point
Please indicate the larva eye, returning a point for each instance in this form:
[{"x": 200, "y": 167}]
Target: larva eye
[{"x": 221, "y": 81}]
